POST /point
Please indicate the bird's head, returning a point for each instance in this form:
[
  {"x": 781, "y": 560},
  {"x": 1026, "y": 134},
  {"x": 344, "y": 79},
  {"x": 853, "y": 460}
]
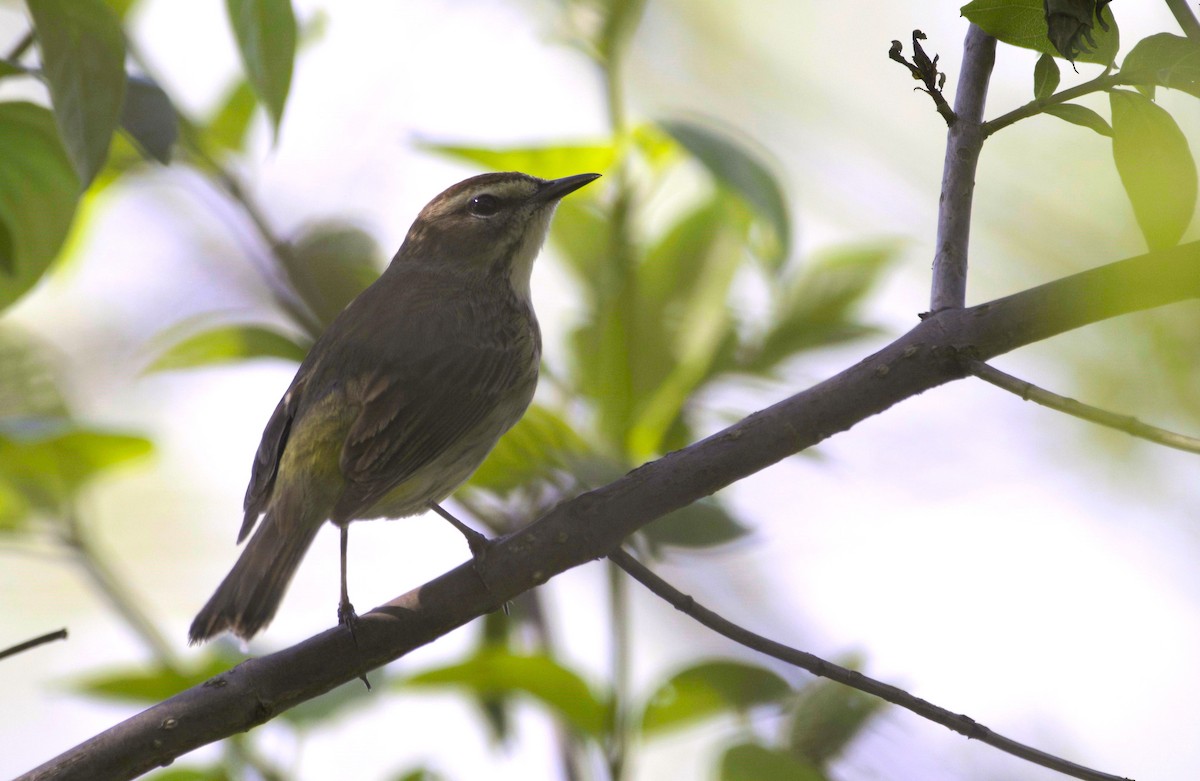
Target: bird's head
[{"x": 490, "y": 224}]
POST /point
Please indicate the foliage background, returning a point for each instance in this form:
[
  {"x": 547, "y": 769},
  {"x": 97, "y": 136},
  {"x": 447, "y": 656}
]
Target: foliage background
[{"x": 990, "y": 556}]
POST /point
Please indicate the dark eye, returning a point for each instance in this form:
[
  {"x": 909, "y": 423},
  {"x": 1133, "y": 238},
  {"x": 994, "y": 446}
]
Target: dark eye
[{"x": 484, "y": 205}]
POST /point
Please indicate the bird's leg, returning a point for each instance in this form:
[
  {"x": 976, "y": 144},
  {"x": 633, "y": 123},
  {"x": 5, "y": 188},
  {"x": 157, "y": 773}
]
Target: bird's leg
[
  {"x": 346, "y": 614},
  {"x": 475, "y": 541}
]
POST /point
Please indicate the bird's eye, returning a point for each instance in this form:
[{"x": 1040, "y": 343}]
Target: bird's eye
[{"x": 484, "y": 205}]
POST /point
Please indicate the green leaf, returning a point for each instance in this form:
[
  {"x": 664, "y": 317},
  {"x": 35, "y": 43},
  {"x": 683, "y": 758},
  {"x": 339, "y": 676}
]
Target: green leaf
[
  {"x": 735, "y": 167},
  {"x": 150, "y": 119},
  {"x": 709, "y": 689},
  {"x": 38, "y": 196},
  {"x": 228, "y": 126},
  {"x": 495, "y": 671},
  {"x": 580, "y": 232},
  {"x": 10, "y": 69},
  {"x": 419, "y": 774},
  {"x": 702, "y": 524},
  {"x": 1045, "y": 77},
  {"x": 540, "y": 444},
  {"x": 756, "y": 762},
  {"x": 619, "y": 25},
  {"x": 548, "y": 162},
  {"x": 83, "y": 56},
  {"x": 28, "y": 382},
  {"x": 817, "y": 309},
  {"x": 1079, "y": 115},
  {"x": 827, "y": 716},
  {"x": 266, "y": 38},
  {"x": 1023, "y": 23},
  {"x": 330, "y": 264},
  {"x": 149, "y": 684},
  {"x": 1155, "y": 165},
  {"x": 226, "y": 344},
  {"x": 1164, "y": 60},
  {"x": 14, "y": 506}
]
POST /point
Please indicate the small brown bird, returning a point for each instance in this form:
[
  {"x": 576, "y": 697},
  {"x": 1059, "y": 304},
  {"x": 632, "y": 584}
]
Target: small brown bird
[{"x": 405, "y": 393}]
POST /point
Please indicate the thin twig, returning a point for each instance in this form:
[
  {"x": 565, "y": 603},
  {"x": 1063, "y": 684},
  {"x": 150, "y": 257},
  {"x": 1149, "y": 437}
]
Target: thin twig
[
  {"x": 1103, "y": 82},
  {"x": 959, "y": 723},
  {"x": 20, "y": 47},
  {"x": 117, "y": 594},
  {"x": 925, "y": 70},
  {"x": 61, "y": 634},
  {"x": 1128, "y": 424},
  {"x": 1186, "y": 18},
  {"x": 964, "y": 141}
]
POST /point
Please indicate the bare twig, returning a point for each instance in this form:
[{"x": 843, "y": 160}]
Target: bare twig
[
  {"x": 20, "y": 47},
  {"x": 61, "y": 634},
  {"x": 1126, "y": 423},
  {"x": 1186, "y": 18},
  {"x": 925, "y": 70},
  {"x": 959, "y": 723},
  {"x": 595, "y": 523},
  {"x": 964, "y": 141}
]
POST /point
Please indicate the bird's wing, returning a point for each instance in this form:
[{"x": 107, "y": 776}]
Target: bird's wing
[
  {"x": 270, "y": 450},
  {"x": 421, "y": 404}
]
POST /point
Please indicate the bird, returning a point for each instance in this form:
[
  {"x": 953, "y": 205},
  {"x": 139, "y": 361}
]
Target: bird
[{"x": 404, "y": 394}]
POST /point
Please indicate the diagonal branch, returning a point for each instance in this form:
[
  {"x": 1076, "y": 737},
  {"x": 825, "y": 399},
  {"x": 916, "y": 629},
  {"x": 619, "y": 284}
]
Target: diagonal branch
[
  {"x": 964, "y": 142},
  {"x": 594, "y": 524},
  {"x": 1128, "y": 424},
  {"x": 963, "y": 725}
]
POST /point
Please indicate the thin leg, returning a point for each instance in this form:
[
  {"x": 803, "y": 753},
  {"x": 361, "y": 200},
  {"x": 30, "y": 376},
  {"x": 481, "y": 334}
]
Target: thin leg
[
  {"x": 475, "y": 541},
  {"x": 346, "y": 614}
]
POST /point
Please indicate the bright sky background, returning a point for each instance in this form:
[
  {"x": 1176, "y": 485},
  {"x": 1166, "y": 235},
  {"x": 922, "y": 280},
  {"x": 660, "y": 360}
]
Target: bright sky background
[{"x": 965, "y": 542}]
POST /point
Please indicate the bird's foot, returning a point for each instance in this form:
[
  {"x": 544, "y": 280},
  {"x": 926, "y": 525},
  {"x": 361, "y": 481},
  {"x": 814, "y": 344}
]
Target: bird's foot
[{"x": 349, "y": 619}]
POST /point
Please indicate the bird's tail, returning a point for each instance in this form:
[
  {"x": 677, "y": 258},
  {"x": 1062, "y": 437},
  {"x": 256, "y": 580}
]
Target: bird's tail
[{"x": 247, "y": 599}]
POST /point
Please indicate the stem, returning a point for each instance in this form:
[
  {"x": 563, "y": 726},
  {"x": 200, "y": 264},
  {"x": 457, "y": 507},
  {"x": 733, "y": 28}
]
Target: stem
[
  {"x": 618, "y": 592},
  {"x": 964, "y": 142},
  {"x": 20, "y": 47},
  {"x": 117, "y": 594},
  {"x": 1185, "y": 17},
  {"x": 1034, "y": 107}
]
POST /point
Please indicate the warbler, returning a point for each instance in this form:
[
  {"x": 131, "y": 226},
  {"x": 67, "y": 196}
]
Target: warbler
[{"x": 403, "y": 395}]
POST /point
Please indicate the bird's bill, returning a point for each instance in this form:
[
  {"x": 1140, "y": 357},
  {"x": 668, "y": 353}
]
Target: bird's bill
[{"x": 554, "y": 189}]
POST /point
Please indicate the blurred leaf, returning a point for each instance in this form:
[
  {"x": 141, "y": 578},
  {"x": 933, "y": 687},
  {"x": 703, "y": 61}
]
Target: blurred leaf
[
  {"x": 83, "y": 57},
  {"x": 38, "y": 196},
  {"x": 14, "y": 506},
  {"x": 28, "y": 381},
  {"x": 228, "y": 126},
  {"x": 1079, "y": 115},
  {"x": 226, "y": 344},
  {"x": 495, "y": 670},
  {"x": 212, "y": 773},
  {"x": 149, "y": 118},
  {"x": 330, "y": 264},
  {"x": 619, "y": 25},
  {"x": 702, "y": 524},
  {"x": 266, "y": 38},
  {"x": 1165, "y": 60},
  {"x": 539, "y": 444},
  {"x": 1155, "y": 165},
  {"x": 10, "y": 69},
  {"x": 549, "y": 162},
  {"x": 827, "y": 716},
  {"x": 50, "y": 460},
  {"x": 121, "y": 7},
  {"x": 149, "y": 684},
  {"x": 737, "y": 168},
  {"x": 580, "y": 232},
  {"x": 817, "y": 309},
  {"x": 1045, "y": 77},
  {"x": 709, "y": 689},
  {"x": 1023, "y": 23},
  {"x": 419, "y": 774},
  {"x": 319, "y": 710},
  {"x": 756, "y": 762}
]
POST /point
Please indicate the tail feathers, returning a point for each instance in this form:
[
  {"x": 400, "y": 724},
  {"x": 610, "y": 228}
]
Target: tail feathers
[{"x": 247, "y": 599}]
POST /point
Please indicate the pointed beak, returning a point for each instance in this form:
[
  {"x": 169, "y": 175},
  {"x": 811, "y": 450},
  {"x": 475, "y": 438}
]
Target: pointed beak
[{"x": 554, "y": 189}]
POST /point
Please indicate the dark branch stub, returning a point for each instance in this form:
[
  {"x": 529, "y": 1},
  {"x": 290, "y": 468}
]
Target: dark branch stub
[{"x": 925, "y": 70}]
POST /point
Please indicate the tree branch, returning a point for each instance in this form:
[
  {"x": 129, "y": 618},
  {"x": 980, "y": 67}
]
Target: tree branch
[
  {"x": 59, "y": 634},
  {"x": 1128, "y": 424},
  {"x": 594, "y": 524},
  {"x": 964, "y": 141},
  {"x": 1186, "y": 18},
  {"x": 963, "y": 725}
]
